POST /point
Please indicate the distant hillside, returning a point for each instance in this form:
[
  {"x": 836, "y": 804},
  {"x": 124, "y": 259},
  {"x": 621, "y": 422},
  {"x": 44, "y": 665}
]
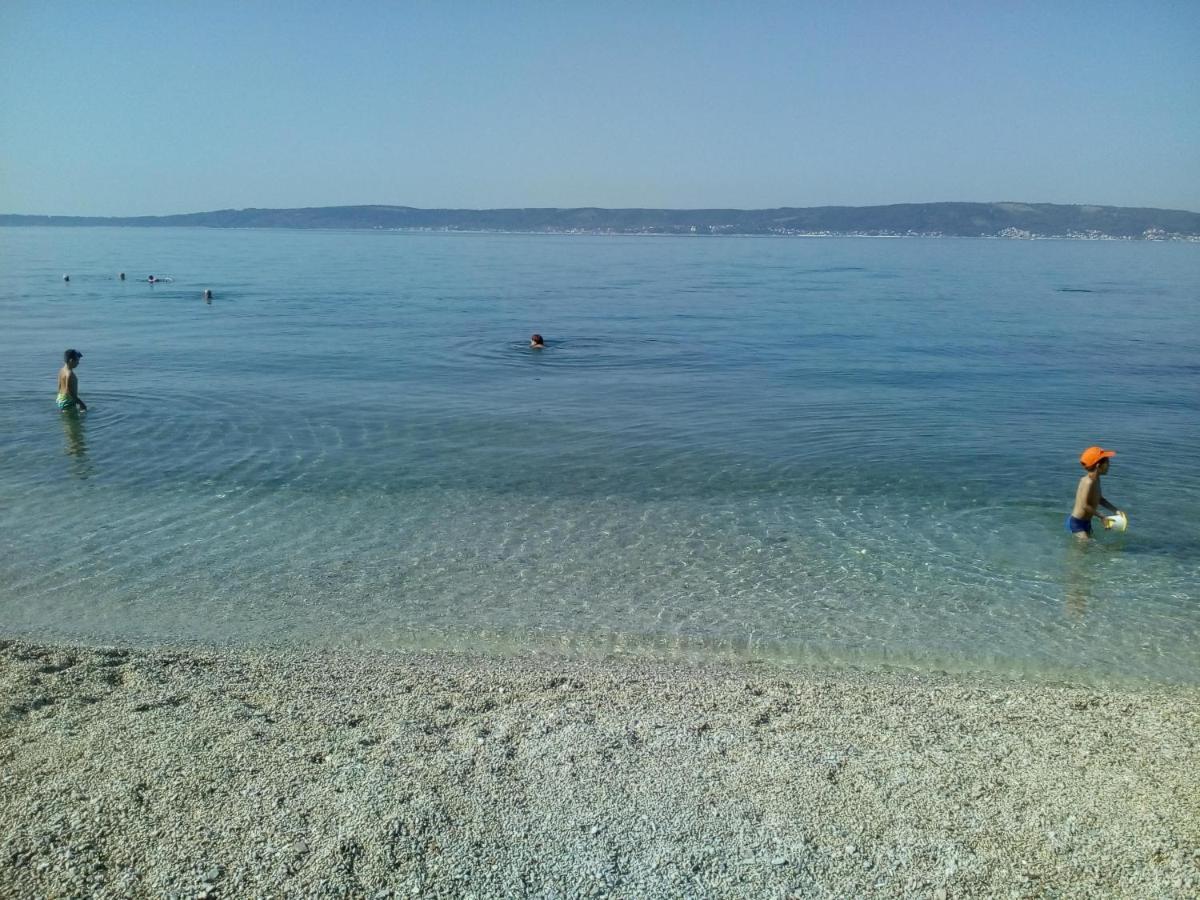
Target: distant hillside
[{"x": 1014, "y": 220}]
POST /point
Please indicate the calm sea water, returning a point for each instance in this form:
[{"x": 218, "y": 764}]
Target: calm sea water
[{"x": 818, "y": 450}]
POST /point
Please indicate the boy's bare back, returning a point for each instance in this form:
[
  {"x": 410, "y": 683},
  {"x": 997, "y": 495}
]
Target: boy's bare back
[
  {"x": 1087, "y": 497},
  {"x": 68, "y": 384}
]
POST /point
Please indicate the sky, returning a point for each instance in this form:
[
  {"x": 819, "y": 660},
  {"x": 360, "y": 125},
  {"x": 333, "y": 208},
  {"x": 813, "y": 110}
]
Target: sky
[{"x": 152, "y": 108}]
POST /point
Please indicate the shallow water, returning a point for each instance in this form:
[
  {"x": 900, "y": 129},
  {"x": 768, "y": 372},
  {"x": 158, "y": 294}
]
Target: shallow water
[{"x": 800, "y": 449}]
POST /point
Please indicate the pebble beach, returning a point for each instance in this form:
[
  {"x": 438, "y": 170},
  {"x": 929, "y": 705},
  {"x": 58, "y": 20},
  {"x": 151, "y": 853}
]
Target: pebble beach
[{"x": 185, "y": 772}]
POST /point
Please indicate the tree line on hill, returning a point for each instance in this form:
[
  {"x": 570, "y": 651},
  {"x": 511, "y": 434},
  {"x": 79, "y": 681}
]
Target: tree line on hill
[{"x": 947, "y": 219}]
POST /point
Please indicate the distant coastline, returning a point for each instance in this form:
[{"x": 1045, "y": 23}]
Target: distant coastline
[{"x": 1016, "y": 221}]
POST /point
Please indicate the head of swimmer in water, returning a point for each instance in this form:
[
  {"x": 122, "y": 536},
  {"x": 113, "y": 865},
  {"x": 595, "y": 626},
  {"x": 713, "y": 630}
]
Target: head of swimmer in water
[
  {"x": 536, "y": 341},
  {"x": 72, "y": 358}
]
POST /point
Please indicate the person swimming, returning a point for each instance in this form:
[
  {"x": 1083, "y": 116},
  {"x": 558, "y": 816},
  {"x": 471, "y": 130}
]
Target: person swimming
[{"x": 536, "y": 342}]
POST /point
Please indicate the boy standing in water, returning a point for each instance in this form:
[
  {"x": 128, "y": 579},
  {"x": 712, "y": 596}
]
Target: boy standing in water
[
  {"x": 1088, "y": 498},
  {"x": 68, "y": 384}
]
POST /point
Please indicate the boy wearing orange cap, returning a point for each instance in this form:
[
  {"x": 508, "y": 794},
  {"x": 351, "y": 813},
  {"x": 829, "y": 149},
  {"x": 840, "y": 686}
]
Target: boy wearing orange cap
[{"x": 1088, "y": 498}]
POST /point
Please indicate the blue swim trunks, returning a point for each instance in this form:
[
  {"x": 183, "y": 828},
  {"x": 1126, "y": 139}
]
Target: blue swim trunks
[{"x": 1075, "y": 525}]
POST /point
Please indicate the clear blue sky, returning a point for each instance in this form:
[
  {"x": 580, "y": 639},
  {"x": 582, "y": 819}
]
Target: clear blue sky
[{"x": 126, "y": 108}]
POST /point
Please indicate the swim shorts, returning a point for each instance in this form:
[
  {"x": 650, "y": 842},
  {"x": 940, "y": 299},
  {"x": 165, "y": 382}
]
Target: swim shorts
[
  {"x": 65, "y": 401},
  {"x": 1075, "y": 525}
]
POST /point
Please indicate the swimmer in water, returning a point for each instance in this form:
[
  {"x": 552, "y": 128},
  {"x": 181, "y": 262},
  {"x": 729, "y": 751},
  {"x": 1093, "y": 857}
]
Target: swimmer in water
[{"x": 536, "y": 342}]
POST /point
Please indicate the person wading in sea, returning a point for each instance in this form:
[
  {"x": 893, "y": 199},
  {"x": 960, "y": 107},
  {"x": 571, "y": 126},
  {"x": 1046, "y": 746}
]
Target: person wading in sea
[{"x": 68, "y": 384}]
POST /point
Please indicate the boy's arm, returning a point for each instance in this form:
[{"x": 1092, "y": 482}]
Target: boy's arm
[
  {"x": 1084, "y": 502},
  {"x": 1108, "y": 522},
  {"x": 73, "y": 389}
]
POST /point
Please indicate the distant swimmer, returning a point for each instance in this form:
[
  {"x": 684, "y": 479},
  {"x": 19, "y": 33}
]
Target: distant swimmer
[
  {"x": 208, "y": 295},
  {"x": 151, "y": 279},
  {"x": 66, "y": 278},
  {"x": 122, "y": 276},
  {"x": 536, "y": 342},
  {"x": 68, "y": 384}
]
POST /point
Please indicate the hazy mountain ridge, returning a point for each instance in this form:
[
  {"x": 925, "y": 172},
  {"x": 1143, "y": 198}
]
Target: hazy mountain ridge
[{"x": 1016, "y": 220}]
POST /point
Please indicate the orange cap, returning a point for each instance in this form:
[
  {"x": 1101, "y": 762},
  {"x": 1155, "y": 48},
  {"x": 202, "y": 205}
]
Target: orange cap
[{"x": 1093, "y": 455}]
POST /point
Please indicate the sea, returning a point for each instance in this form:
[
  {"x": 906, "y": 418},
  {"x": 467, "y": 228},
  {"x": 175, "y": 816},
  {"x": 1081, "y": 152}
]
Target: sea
[{"x": 812, "y": 451}]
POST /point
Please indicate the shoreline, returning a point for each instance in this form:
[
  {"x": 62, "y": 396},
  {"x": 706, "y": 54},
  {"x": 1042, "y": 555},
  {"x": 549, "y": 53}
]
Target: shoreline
[
  {"x": 686, "y": 652},
  {"x": 235, "y": 772}
]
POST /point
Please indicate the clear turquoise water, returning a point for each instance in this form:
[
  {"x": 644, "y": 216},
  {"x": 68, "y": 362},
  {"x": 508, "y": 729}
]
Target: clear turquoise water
[{"x": 817, "y": 450}]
